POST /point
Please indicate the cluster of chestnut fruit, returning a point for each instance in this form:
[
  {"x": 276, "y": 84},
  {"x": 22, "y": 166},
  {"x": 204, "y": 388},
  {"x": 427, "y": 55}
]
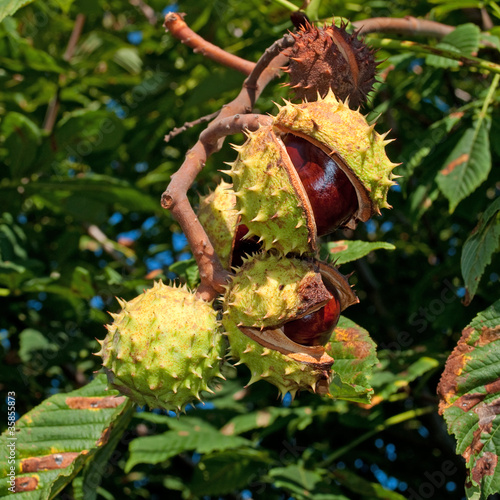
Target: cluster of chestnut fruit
[{"x": 319, "y": 167}]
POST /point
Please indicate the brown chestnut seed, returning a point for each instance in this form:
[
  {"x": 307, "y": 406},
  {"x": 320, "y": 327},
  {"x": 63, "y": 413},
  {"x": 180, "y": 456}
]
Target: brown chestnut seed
[
  {"x": 331, "y": 194},
  {"x": 243, "y": 246},
  {"x": 315, "y": 328}
]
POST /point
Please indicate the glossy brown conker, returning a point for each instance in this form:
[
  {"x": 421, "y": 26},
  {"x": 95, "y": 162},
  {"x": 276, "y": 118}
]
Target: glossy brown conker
[
  {"x": 315, "y": 328},
  {"x": 331, "y": 194}
]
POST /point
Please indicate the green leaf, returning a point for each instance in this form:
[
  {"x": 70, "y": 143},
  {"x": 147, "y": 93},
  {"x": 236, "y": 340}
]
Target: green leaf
[
  {"x": 57, "y": 438},
  {"x": 440, "y": 61},
  {"x": 420, "y": 149},
  {"x": 259, "y": 419},
  {"x": 189, "y": 435},
  {"x": 81, "y": 283},
  {"x": 21, "y": 140},
  {"x": 469, "y": 393},
  {"x": 187, "y": 269},
  {"x": 83, "y": 132},
  {"x": 295, "y": 479},
  {"x": 479, "y": 248},
  {"x": 355, "y": 354},
  {"x": 129, "y": 59},
  {"x": 464, "y": 40},
  {"x": 12, "y": 240},
  {"x": 64, "y": 5},
  {"x": 39, "y": 60},
  {"x": 95, "y": 470},
  {"x": 312, "y": 9},
  {"x": 110, "y": 190},
  {"x": 343, "y": 251},
  {"x": 366, "y": 488},
  {"x": 468, "y": 165},
  {"x": 32, "y": 341},
  {"x": 230, "y": 470},
  {"x": 386, "y": 383},
  {"x": 449, "y": 6},
  {"x": 9, "y": 7}
]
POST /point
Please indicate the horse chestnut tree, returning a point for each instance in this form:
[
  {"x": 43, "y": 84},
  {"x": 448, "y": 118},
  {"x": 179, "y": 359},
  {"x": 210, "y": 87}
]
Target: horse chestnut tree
[{"x": 253, "y": 344}]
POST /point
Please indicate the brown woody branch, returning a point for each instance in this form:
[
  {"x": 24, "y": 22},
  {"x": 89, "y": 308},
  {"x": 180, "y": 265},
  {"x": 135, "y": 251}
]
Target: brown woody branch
[
  {"x": 178, "y": 130},
  {"x": 403, "y": 26},
  {"x": 233, "y": 125},
  {"x": 235, "y": 117},
  {"x": 175, "y": 24},
  {"x": 213, "y": 276}
]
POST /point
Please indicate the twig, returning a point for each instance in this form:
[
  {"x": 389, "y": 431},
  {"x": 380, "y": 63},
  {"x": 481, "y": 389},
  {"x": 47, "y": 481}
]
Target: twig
[
  {"x": 51, "y": 113},
  {"x": 213, "y": 276},
  {"x": 148, "y": 11},
  {"x": 404, "y": 26},
  {"x": 175, "y": 24},
  {"x": 75, "y": 36},
  {"x": 407, "y": 26},
  {"x": 53, "y": 107},
  {"x": 486, "y": 21},
  {"x": 178, "y": 130},
  {"x": 232, "y": 125},
  {"x": 107, "y": 245}
]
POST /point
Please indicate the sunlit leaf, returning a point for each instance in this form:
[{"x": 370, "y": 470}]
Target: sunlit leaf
[
  {"x": 386, "y": 382},
  {"x": 463, "y": 39},
  {"x": 470, "y": 400},
  {"x": 129, "y": 59},
  {"x": 467, "y": 166},
  {"x": 479, "y": 248},
  {"x": 9, "y": 7},
  {"x": 344, "y": 251},
  {"x": 56, "y": 439},
  {"x": 188, "y": 270},
  {"x": 354, "y": 353}
]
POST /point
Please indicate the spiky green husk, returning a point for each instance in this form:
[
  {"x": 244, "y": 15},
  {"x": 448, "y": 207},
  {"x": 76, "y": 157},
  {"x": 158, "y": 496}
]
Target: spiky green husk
[
  {"x": 266, "y": 198},
  {"x": 268, "y": 290},
  {"x": 272, "y": 366},
  {"x": 338, "y": 129},
  {"x": 163, "y": 348},
  {"x": 219, "y": 217}
]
